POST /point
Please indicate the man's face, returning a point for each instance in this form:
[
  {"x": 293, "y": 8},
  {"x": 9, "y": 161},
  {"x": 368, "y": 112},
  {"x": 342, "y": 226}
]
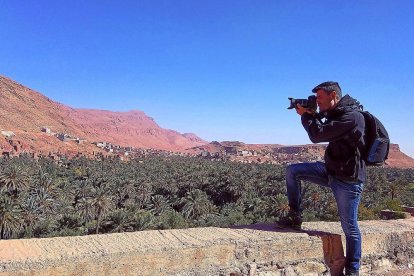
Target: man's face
[{"x": 325, "y": 100}]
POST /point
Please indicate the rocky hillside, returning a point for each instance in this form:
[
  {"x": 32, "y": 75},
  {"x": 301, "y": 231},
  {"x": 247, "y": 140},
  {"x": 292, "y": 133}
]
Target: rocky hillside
[
  {"x": 396, "y": 158},
  {"x": 25, "y": 112},
  {"x": 279, "y": 154}
]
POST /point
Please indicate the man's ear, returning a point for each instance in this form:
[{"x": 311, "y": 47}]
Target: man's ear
[{"x": 333, "y": 95}]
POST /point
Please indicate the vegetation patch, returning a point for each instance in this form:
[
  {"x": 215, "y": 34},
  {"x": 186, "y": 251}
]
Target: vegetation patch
[{"x": 80, "y": 196}]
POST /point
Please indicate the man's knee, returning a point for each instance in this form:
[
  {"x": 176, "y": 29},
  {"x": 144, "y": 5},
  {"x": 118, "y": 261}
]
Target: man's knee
[
  {"x": 291, "y": 170},
  {"x": 350, "y": 228}
]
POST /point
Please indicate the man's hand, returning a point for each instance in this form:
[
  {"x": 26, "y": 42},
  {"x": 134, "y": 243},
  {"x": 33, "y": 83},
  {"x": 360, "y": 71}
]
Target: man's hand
[{"x": 301, "y": 110}]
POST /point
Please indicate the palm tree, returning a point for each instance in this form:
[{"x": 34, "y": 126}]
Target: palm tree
[
  {"x": 143, "y": 220},
  {"x": 159, "y": 204},
  {"x": 101, "y": 200},
  {"x": 31, "y": 213},
  {"x": 47, "y": 204},
  {"x": 315, "y": 198},
  {"x": 10, "y": 217},
  {"x": 281, "y": 207},
  {"x": 13, "y": 180},
  {"x": 120, "y": 220},
  {"x": 393, "y": 189},
  {"x": 45, "y": 228},
  {"x": 142, "y": 194},
  {"x": 85, "y": 209},
  {"x": 123, "y": 192},
  {"x": 234, "y": 190},
  {"x": 196, "y": 203},
  {"x": 43, "y": 181},
  {"x": 250, "y": 201},
  {"x": 171, "y": 219}
]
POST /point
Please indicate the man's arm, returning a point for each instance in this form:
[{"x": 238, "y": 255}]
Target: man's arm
[{"x": 326, "y": 132}]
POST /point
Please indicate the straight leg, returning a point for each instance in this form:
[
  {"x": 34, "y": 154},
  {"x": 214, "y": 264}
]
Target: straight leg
[{"x": 348, "y": 197}]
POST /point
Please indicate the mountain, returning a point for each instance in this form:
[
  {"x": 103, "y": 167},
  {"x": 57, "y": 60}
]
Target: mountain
[
  {"x": 25, "y": 112},
  {"x": 132, "y": 128},
  {"x": 279, "y": 154},
  {"x": 396, "y": 158}
]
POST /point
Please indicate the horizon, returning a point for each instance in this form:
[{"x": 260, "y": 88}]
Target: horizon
[{"x": 223, "y": 71}]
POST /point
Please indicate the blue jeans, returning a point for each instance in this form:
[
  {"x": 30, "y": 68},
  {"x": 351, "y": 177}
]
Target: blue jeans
[{"x": 347, "y": 196}]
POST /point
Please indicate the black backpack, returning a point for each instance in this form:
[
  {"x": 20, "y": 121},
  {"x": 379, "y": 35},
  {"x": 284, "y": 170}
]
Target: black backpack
[{"x": 376, "y": 139}]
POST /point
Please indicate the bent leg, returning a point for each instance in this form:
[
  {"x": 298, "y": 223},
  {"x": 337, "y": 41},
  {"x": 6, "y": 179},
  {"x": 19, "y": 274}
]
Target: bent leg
[{"x": 314, "y": 172}]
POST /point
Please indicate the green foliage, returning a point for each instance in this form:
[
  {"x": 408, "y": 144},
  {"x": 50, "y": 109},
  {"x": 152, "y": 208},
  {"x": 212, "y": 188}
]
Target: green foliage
[
  {"x": 39, "y": 198},
  {"x": 13, "y": 179},
  {"x": 195, "y": 204},
  {"x": 400, "y": 215},
  {"x": 365, "y": 213},
  {"x": 233, "y": 214},
  {"x": 309, "y": 215},
  {"x": 45, "y": 228},
  {"x": 143, "y": 220},
  {"x": 10, "y": 217},
  {"x": 393, "y": 205},
  {"x": 171, "y": 219}
]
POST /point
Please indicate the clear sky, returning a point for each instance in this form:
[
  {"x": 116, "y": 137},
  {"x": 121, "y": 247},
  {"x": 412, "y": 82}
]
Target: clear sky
[{"x": 220, "y": 69}]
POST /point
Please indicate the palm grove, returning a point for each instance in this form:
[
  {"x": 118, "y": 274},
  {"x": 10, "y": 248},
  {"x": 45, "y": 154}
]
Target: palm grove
[{"x": 80, "y": 196}]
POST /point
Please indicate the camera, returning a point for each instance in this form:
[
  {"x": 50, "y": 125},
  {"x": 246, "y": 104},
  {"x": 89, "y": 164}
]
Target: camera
[{"x": 309, "y": 103}]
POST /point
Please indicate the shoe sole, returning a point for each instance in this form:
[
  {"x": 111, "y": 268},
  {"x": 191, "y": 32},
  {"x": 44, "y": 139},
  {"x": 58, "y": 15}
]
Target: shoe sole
[{"x": 278, "y": 226}]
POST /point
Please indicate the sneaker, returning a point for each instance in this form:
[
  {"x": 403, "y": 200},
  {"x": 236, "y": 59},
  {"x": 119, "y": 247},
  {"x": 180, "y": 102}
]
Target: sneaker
[{"x": 292, "y": 220}]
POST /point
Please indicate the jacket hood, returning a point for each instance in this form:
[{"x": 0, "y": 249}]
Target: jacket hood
[{"x": 346, "y": 104}]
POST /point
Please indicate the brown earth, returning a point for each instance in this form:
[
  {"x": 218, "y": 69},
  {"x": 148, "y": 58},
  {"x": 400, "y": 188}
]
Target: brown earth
[
  {"x": 25, "y": 112},
  {"x": 397, "y": 158},
  {"x": 258, "y": 249}
]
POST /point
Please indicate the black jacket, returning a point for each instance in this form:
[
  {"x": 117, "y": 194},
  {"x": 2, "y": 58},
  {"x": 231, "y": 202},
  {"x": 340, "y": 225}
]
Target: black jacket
[{"x": 344, "y": 129}]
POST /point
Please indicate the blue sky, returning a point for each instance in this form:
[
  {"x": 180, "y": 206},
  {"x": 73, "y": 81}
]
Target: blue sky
[{"x": 220, "y": 69}]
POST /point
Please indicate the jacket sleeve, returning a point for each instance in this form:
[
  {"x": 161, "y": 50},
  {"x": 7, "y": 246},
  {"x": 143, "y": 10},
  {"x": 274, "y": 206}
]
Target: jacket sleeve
[{"x": 332, "y": 130}]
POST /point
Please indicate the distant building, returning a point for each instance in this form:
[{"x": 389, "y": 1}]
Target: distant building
[
  {"x": 80, "y": 140},
  {"x": 63, "y": 137},
  {"x": 17, "y": 147},
  {"x": 8, "y": 134},
  {"x": 230, "y": 150},
  {"x": 100, "y": 144},
  {"x": 244, "y": 153},
  {"x": 46, "y": 129}
]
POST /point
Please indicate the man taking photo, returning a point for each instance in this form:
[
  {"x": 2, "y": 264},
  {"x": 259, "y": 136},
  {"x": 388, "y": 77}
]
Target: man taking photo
[{"x": 343, "y": 171}]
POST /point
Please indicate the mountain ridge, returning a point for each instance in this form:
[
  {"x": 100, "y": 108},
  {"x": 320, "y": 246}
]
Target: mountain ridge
[
  {"x": 285, "y": 154},
  {"x": 25, "y": 112}
]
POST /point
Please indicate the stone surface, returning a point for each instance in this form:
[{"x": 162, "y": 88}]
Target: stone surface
[{"x": 388, "y": 247}]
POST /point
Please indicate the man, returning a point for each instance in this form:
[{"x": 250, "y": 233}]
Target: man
[{"x": 343, "y": 170}]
